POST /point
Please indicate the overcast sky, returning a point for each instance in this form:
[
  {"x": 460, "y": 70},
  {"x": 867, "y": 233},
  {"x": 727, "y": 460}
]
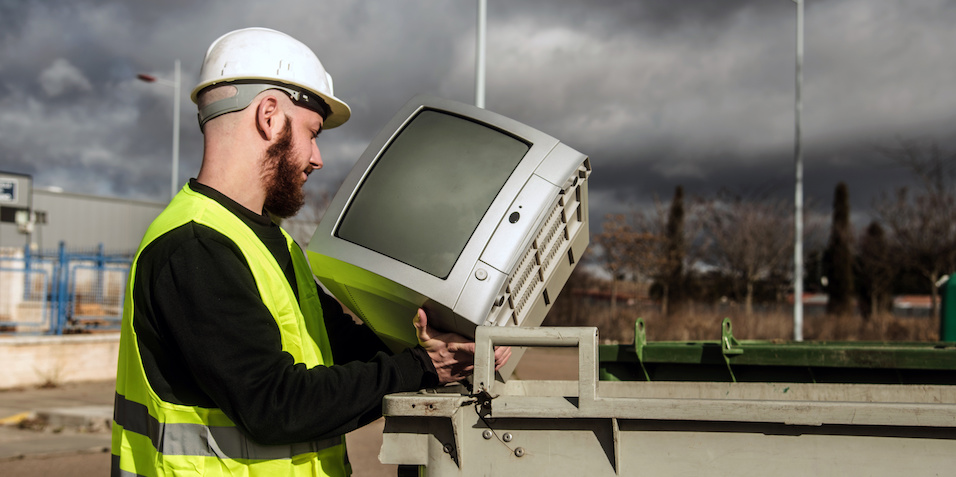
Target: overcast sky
[{"x": 659, "y": 93}]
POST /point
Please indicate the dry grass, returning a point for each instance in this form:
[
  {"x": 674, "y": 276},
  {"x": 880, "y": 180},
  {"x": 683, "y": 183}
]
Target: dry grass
[{"x": 695, "y": 323}]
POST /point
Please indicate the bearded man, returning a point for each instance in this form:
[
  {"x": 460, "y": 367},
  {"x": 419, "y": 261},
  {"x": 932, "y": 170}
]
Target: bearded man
[{"x": 232, "y": 361}]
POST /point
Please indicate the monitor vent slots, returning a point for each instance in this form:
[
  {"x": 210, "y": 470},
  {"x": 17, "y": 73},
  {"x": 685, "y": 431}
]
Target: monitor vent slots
[{"x": 527, "y": 285}]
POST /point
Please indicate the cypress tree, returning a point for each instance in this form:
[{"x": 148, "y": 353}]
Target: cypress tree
[
  {"x": 839, "y": 256},
  {"x": 673, "y": 278}
]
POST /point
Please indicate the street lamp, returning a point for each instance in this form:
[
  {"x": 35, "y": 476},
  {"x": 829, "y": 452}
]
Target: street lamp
[
  {"x": 480, "y": 53},
  {"x": 175, "y": 84},
  {"x": 798, "y": 186}
]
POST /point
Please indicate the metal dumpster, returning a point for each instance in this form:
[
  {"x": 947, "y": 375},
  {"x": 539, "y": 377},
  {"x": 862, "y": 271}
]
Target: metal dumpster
[{"x": 687, "y": 408}]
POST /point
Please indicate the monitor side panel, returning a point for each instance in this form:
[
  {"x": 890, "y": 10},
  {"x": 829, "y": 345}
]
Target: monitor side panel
[
  {"x": 558, "y": 246},
  {"x": 554, "y": 248}
]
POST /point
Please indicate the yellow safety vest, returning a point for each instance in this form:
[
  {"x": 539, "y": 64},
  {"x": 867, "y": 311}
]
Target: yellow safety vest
[{"x": 152, "y": 437}]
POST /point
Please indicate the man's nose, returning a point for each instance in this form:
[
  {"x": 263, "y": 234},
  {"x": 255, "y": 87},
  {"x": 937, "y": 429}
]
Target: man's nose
[{"x": 316, "y": 159}]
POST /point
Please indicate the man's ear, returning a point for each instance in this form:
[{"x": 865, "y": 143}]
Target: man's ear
[{"x": 267, "y": 116}]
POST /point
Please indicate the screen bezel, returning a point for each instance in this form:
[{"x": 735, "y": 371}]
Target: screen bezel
[
  {"x": 379, "y": 157},
  {"x": 443, "y": 290}
]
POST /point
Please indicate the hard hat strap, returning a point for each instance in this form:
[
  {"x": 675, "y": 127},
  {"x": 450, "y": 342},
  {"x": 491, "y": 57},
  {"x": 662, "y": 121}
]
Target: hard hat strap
[{"x": 246, "y": 92}]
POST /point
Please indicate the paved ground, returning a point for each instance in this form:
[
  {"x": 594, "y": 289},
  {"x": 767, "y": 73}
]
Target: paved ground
[
  {"x": 64, "y": 430},
  {"x": 56, "y": 431}
]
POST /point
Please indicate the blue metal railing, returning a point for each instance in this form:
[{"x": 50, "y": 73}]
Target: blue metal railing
[{"x": 77, "y": 291}]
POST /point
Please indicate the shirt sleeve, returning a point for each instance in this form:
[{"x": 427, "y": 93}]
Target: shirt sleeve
[{"x": 208, "y": 307}]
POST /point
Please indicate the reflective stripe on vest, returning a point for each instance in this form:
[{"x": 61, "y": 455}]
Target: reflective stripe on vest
[
  {"x": 224, "y": 442},
  {"x": 115, "y": 470}
]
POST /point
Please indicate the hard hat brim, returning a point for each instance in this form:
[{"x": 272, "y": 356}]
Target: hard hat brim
[{"x": 340, "y": 112}]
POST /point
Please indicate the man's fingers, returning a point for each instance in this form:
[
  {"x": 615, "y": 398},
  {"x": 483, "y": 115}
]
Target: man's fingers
[
  {"x": 421, "y": 326},
  {"x": 467, "y": 347},
  {"x": 502, "y": 354}
]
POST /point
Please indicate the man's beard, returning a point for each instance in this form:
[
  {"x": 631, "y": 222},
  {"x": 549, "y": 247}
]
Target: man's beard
[{"x": 284, "y": 195}]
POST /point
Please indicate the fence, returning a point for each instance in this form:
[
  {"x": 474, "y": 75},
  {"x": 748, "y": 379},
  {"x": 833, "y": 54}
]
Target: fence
[{"x": 62, "y": 291}]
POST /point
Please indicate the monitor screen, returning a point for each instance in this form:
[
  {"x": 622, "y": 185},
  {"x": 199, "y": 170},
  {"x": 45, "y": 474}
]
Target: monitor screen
[{"x": 423, "y": 199}]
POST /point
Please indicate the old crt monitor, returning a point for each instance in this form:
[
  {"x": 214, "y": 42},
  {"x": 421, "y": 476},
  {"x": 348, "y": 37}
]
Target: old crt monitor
[{"x": 475, "y": 217}]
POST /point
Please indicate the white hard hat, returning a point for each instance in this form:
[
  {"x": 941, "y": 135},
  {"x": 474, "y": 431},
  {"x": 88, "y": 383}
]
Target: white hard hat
[{"x": 256, "y": 59}]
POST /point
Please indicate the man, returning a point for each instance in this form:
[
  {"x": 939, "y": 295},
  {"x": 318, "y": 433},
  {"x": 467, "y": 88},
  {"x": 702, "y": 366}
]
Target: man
[{"x": 232, "y": 361}]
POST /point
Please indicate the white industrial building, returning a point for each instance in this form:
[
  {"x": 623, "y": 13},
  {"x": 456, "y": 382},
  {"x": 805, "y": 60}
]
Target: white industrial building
[{"x": 44, "y": 217}]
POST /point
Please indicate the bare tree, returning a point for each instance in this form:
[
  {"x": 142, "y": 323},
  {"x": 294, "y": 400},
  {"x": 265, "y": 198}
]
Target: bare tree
[
  {"x": 750, "y": 238},
  {"x": 617, "y": 241},
  {"x": 923, "y": 222},
  {"x": 666, "y": 246},
  {"x": 876, "y": 271}
]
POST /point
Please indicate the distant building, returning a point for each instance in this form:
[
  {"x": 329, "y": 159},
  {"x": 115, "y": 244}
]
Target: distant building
[
  {"x": 918, "y": 306},
  {"x": 913, "y": 305},
  {"x": 45, "y": 217}
]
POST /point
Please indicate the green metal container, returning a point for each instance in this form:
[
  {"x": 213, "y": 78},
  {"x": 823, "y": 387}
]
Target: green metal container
[
  {"x": 947, "y": 311},
  {"x": 732, "y": 360}
]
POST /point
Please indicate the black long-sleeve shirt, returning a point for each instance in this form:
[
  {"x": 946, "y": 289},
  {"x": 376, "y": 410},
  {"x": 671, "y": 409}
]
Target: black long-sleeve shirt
[{"x": 206, "y": 339}]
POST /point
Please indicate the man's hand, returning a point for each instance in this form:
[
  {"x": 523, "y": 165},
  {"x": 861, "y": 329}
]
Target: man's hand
[{"x": 452, "y": 354}]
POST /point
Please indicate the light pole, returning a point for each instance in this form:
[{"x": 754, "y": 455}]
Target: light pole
[
  {"x": 480, "y": 54},
  {"x": 798, "y": 186},
  {"x": 175, "y": 84}
]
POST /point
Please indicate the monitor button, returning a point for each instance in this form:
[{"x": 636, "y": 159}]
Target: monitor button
[{"x": 481, "y": 274}]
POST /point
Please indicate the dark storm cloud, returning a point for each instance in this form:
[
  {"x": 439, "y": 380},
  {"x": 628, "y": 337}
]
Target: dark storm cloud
[
  {"x": 658, "y": 93},
  {"x": 701, "y": 93},
  {"x": 652, "y": 16}
]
